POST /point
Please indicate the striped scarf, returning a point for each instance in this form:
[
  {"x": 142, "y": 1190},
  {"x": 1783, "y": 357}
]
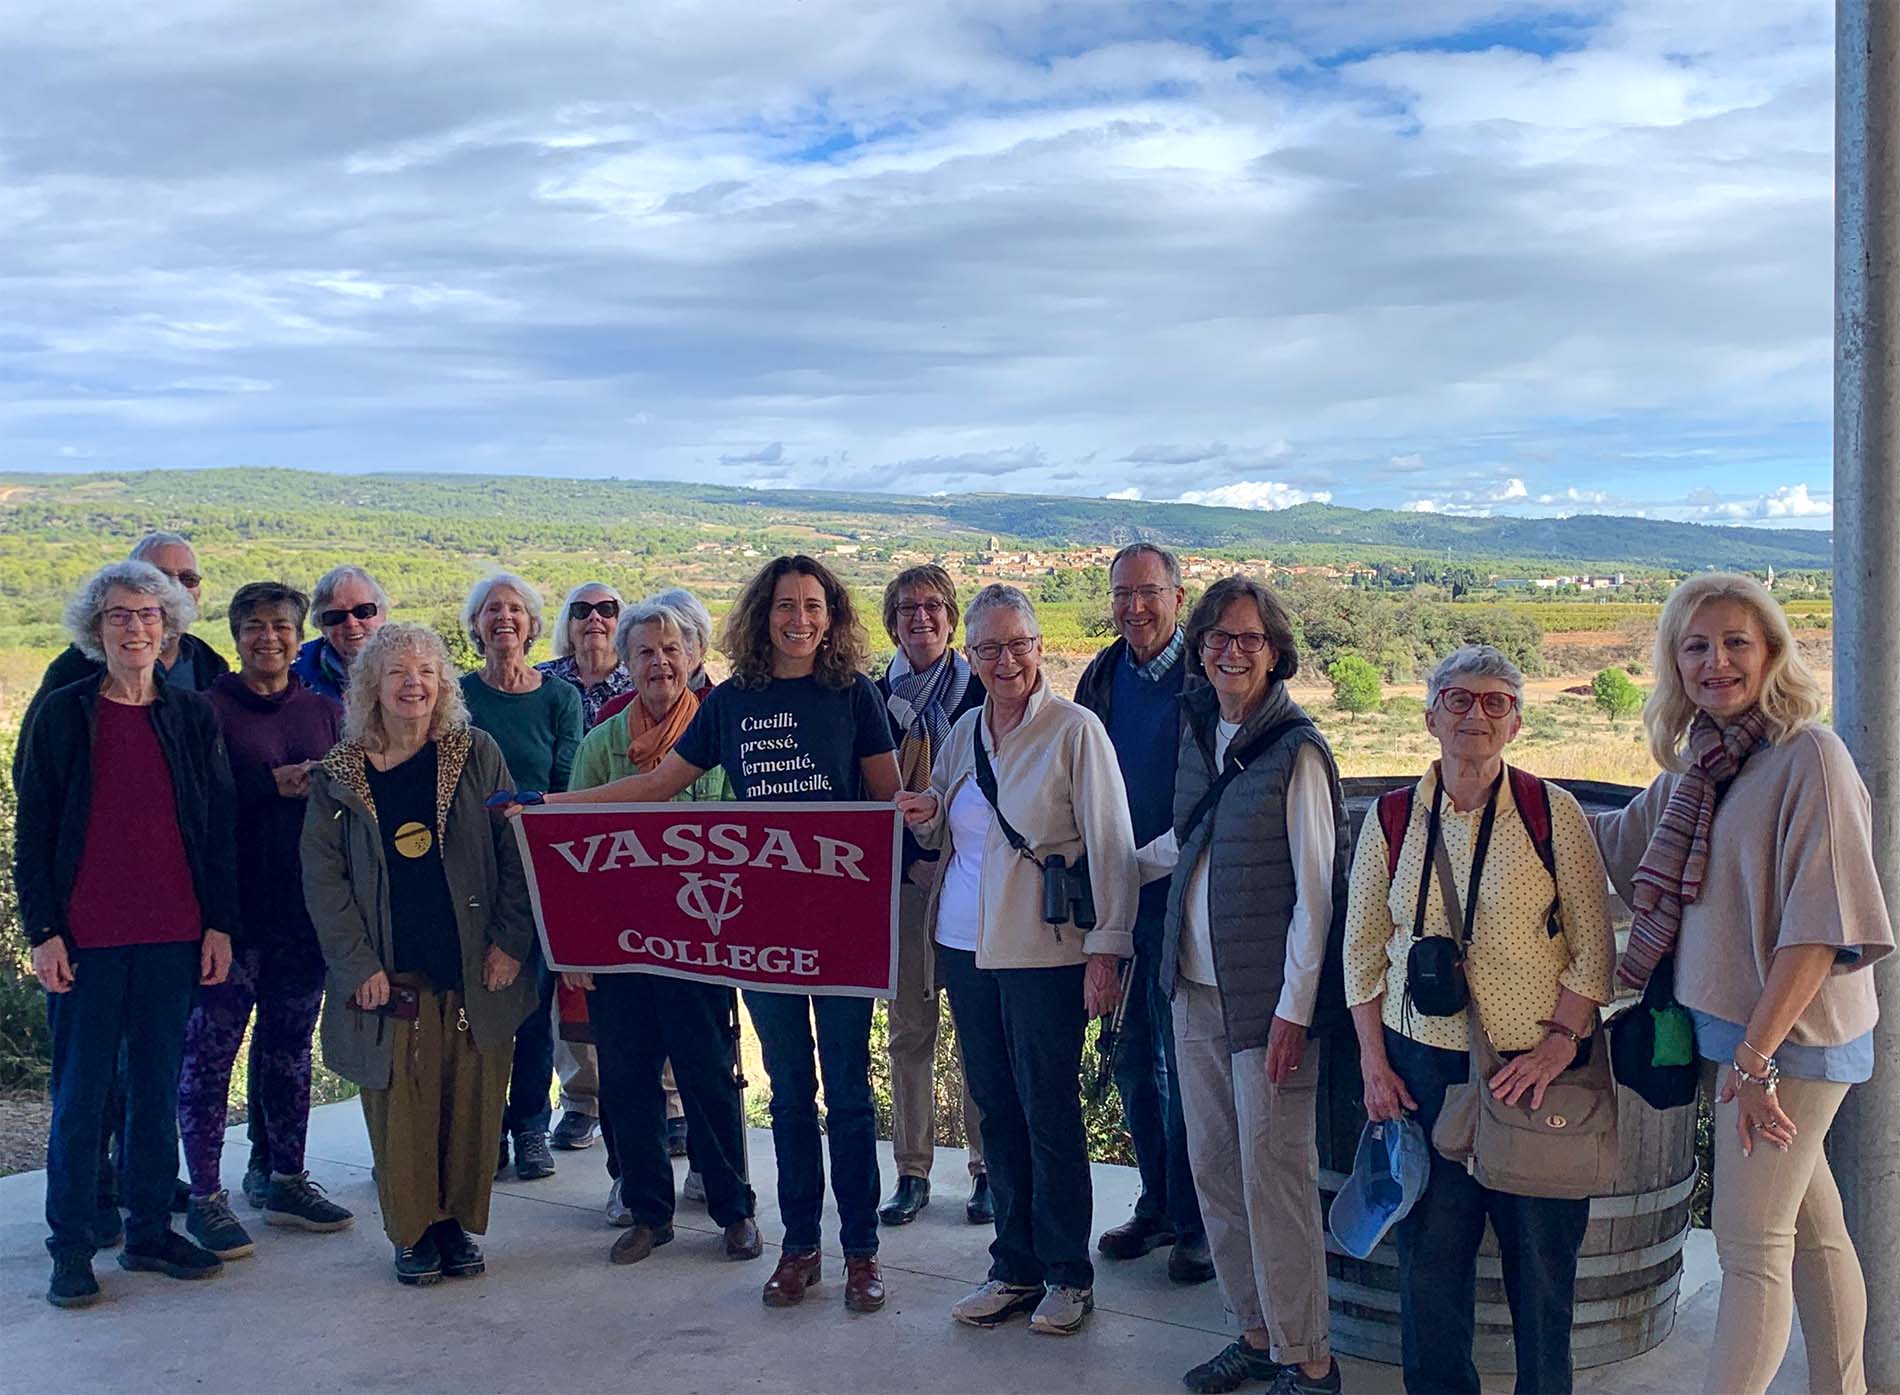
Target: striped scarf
[
  {"x": 920, "y": 704},
  {"x": 1671, "y": 872}
]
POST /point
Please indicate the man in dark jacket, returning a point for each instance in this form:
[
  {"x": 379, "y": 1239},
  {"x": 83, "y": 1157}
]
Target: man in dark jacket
[
  {"x": 1134, "y": 686},
  {"x": 926, "y": 689}
]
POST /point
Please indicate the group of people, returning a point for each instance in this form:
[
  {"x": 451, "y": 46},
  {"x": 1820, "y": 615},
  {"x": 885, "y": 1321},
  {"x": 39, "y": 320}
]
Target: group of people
[{"x": 1174, "y": 841}]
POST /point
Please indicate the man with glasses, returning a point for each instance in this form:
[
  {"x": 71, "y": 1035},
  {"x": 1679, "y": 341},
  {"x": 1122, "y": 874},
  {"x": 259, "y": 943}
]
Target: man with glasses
[
  {"x": 349, "y": 607},
  {"x": 1134, "y": 686},
  {"x": 927, "y": 687}
]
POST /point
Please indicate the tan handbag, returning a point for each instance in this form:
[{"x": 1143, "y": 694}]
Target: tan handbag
[{"x": 1564, "y": 1149}]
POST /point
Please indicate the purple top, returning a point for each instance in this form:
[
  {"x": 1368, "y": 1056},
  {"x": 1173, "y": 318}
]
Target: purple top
[{"x": 261, "y": 733}]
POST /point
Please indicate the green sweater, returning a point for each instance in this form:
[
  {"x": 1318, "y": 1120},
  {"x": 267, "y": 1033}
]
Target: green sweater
[
  {"x": 603, "y": 758},
  {"x": 537, "y": 732}
]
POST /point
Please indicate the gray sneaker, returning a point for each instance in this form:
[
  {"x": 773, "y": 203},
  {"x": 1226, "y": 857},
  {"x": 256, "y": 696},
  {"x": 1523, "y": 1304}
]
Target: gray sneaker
[
  {"x": 299, "y": 1204},
  {"x": 694, "y": 1189},
  {"x": 209, "y": 1221},
  {"x": 995, "y": 1303},
  {"x": 617, "y": 1212},
  {"x": 1062, "y": 1311}
]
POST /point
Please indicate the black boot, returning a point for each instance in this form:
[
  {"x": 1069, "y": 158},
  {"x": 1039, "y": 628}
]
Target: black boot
[{"x": 911, "y": 1196}]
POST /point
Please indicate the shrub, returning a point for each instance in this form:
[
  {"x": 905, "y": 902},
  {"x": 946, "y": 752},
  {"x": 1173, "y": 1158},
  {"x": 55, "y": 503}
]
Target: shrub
[
  {"x": 1356, "y": 685},
  {"x": 1615, "y": 694}
]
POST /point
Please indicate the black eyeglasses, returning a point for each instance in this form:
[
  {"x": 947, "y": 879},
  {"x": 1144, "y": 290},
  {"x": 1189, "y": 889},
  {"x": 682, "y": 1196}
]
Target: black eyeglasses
[
  {"x": 1494, "y": 705},
  {"x": 1247, "y": 641},
  {"x": 1019, "y": 648},
  {"x": 188, "y": 580},
  {"x": 366, "y": 611},
  {"x": 909, "y": 609},
  {"x": 580, "y": 610}
]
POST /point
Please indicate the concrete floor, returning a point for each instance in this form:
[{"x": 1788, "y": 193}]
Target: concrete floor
[{"x": 324, "y": 1313}]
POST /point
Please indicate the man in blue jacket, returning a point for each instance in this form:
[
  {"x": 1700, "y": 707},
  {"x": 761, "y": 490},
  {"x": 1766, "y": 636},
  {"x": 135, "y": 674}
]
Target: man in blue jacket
[{"x": 1133, "y": 686}]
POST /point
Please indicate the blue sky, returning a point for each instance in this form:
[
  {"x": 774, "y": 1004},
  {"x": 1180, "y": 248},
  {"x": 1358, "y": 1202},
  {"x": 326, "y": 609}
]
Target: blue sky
[{"x": 1455, "y": 255}]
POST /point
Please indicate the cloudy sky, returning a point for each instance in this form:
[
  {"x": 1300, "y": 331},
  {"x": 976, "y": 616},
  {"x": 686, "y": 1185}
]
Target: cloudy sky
[{"x": 1463, "y": 255}]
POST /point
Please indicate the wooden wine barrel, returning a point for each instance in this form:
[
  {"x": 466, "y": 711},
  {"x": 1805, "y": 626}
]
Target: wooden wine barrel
[{"x": 1631, "y": 1262}]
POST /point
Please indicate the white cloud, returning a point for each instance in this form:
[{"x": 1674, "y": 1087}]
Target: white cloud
[
  {"x": 1420, "y": 506},
  {"x": 1254, "y": 494},
  {"x": 1016, "y": 244},
  {"x": 1132, "y": 492},
  {"x": 1783, "y": 504}
]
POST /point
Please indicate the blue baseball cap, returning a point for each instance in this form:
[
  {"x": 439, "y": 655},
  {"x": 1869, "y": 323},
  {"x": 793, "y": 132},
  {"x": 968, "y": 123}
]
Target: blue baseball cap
[{"x": 1389, "y": 1172}]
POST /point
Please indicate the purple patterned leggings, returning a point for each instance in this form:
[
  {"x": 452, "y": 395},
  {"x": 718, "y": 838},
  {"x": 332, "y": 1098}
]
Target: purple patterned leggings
[{"x": 285, "y": 983}]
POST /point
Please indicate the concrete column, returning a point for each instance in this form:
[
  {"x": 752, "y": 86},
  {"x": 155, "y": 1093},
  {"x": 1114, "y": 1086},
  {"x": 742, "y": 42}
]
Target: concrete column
[{"x": 1866, "y": 1141}]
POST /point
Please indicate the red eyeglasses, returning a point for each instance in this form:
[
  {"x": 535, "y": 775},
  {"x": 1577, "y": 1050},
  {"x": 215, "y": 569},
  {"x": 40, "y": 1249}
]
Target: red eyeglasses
[{"x": 1494, "y": 705}]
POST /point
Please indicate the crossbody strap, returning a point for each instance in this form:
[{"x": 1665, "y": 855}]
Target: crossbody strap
[
  {"x": 1237, "y": 762},
  {"x": 986, "y": 782}
]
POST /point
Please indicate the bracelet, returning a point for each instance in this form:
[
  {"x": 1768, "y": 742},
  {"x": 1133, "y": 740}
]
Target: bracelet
[
  {"x": 1558, "y": 1028},
  {"x": 1760, "y": 1055},
  {"x": 1767, "y": 1080}
]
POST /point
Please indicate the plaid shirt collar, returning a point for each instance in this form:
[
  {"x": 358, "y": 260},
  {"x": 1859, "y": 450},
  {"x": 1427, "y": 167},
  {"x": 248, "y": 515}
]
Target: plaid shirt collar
[{"x": 1157, "y": 668}]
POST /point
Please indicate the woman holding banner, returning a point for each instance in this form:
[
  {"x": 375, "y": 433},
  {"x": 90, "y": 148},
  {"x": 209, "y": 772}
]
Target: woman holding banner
[
  {"x": 1027, "y": 805},
  {"x": 420, "y": 905},
  {"x": 640, "y": 1020},
  {"x": 798, "y": 653}
]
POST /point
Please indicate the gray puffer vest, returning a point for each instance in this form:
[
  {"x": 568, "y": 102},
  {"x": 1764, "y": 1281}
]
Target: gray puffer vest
[{"x": 1251, "y": 890}]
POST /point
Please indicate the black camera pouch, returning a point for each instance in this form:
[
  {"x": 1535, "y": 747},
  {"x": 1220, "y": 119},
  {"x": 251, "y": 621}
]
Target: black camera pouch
[{"x": 1435, "y": 976}]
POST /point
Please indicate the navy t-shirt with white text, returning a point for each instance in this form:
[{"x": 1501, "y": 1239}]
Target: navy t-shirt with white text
[{"x": 794, "y": 739}]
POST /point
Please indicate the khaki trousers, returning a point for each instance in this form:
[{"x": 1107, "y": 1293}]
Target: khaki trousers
[
  {"x": 1782, "y": 1241},
  {"x": 575, "y": 1063},
  {"x": 433, "y": 1131},
  {"x": 913, "y": 1046},
  {"x": 1256, "y": 1171}
]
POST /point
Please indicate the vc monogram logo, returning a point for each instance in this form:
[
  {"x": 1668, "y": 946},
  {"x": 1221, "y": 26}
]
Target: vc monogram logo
[{"x": 697, "y": 897}]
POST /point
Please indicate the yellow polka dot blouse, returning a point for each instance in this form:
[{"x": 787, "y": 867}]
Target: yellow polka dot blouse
[{"x": 1514, "y": 966}]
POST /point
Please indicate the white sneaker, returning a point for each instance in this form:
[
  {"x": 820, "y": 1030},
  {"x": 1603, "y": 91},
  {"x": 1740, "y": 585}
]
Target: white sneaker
[
  {"x": 995, "y": 1303},
  {"x": 617, "y": 1212},
  {"x": 1062, "y": 1311},
  {"x": 695, "y": 1188}
]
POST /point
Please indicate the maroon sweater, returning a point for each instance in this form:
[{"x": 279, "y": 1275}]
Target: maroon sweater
[{"x": 134, "y": 885}]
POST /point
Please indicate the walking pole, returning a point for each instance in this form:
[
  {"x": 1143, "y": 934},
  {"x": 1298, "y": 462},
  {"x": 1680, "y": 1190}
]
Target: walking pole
[
  {"x": 735, "y": 1030},
  {"x": 1095, "y": 1088}
]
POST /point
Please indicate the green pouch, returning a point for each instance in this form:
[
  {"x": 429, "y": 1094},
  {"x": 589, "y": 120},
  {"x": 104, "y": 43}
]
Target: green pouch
[{"x": 1674, "y": 1041}]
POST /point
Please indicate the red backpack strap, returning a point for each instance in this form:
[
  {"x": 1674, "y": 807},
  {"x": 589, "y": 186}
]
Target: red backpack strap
[
  {"x": 1395, "y": 816},
  {"x": 1532, "y": 797}
]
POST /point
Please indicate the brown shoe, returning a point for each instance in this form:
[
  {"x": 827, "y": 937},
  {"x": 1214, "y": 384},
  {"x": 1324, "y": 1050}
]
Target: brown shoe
[
  {"x": 797, "y": 1271},
  {"x": 639, "y": 1241},
  {"x": 863, "y": 1284},
  {"x": 743, "y": 1240}
]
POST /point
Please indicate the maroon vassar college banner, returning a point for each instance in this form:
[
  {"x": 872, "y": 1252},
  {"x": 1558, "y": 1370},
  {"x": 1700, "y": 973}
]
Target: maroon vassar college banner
[{"x": 755, "y": 895}]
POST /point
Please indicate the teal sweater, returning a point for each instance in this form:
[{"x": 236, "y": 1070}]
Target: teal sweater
[{"x": 538, "y": 732}]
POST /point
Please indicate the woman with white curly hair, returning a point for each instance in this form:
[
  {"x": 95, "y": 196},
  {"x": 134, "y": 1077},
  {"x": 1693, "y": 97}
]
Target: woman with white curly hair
[
  {"x": 125, "y": 868},
  {"x": 420, "y": 904}
]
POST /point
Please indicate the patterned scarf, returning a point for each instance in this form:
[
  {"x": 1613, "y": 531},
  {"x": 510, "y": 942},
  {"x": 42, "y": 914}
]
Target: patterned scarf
[
  {"x": 920, "y": 704},
  {"x": 649, "y": 739},
  {"x": 1671, "y": 872}
]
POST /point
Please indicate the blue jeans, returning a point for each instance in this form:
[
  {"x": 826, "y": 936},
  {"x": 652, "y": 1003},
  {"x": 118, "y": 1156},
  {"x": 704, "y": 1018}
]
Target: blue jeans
[
  {"x": 532, "y": 1081},
  {"x": 1151, "y": 1101},
  {"x": 1021, "y": 1031},
  {"x": 1538, "y": 1240},
  {"x": 784, "y": 1024},
  {"x": 125, "y": 1013}
]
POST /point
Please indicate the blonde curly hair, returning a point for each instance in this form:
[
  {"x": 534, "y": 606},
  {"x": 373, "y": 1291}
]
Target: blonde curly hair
[
  {"x": 1791, "y": 696},
  {"x": 362, "y": 702}
]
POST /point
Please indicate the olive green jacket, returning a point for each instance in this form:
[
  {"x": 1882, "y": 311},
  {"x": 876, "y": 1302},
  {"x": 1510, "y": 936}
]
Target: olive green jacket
[{"x": 346, "y": 887}]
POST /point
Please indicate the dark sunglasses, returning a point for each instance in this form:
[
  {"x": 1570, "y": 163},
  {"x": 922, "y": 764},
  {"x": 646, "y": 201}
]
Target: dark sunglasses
[
  {"x": 580, "y": 610},
  {"x": 366, "y": 611},
  {"x": 184, "y": 579}
]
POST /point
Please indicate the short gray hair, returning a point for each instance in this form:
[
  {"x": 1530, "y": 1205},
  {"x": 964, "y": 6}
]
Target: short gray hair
[
  {"x": 85, "y": 612},
  {"x": 1136, "y": 549},
  {"x": 325, "y": 590},
  {"x": 1474, "y": 661},
  {"x": 693, "y": 610},
  {"x": 563, "y": 644},
  {"x": 654, "y": 611},
  {"x": 997, "y": 596},
  {"x": 143, "y": 549},
  {"x": 478, "y": 597}
]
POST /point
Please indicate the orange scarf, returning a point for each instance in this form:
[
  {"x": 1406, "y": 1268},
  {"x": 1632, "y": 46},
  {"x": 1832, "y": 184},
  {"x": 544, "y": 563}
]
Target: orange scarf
[{"x": 649, "y": 739}]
